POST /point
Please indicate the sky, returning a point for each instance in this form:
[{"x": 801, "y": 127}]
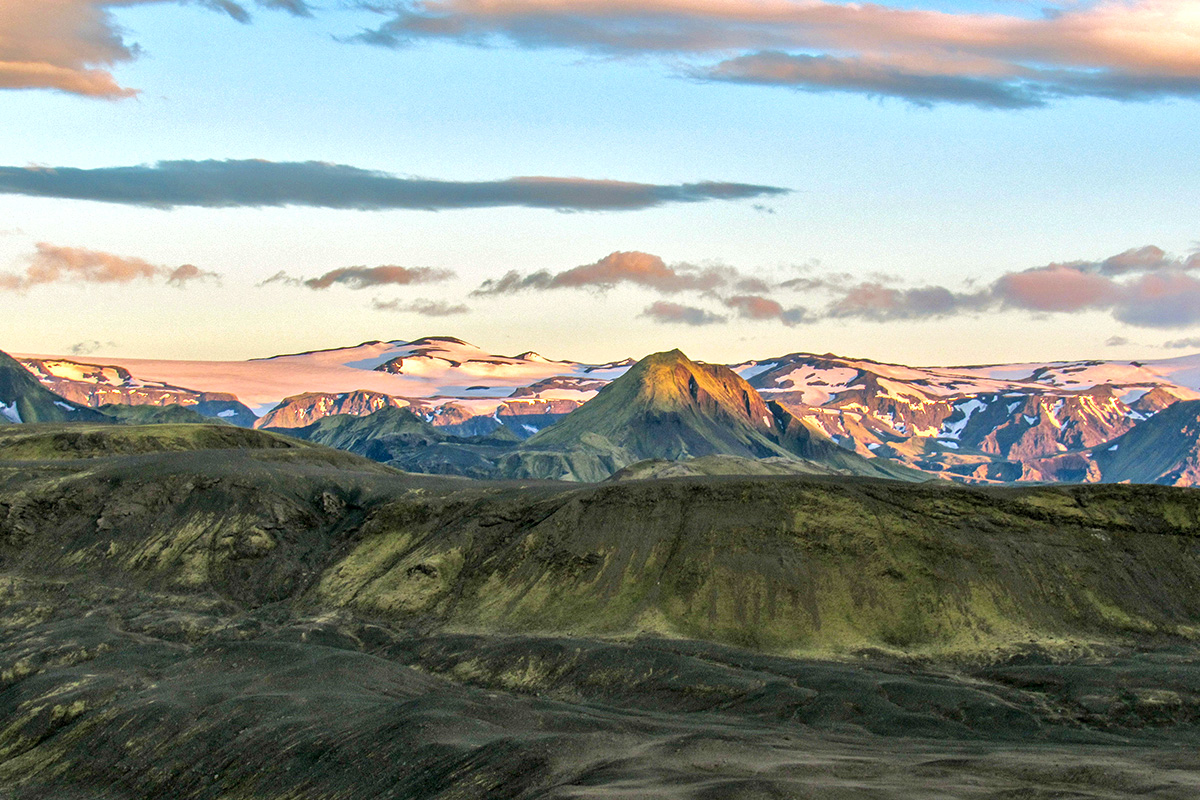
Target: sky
[{"x": 926, "y": 181}]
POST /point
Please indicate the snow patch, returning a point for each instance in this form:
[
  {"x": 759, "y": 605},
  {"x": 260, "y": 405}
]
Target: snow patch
[
  {"x": 1114, "y": 447},
  {"x": 63, "y": 405},
  {"x": 228, "y": 413},
  {"x": 753, "y": 368},
  {"x": 954, "y": 430},
  {"x": 10, "y": 413}
]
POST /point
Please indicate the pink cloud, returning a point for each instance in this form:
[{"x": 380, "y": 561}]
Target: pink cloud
[
  {"x": 54, "y": 264},
  {"x": 1123, "y": 49},
  {"x": 70, "y": 45},
  {"x": 1055, "y": 288},
  {"x": 749, "y": 306},
  {"x": 1143, "y": 286},
  {"x": 663, "y": 311},
  {"x": 631, "y": 267}
]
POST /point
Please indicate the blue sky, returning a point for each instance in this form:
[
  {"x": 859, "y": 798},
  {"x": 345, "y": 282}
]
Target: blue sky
[{"x": 896, "y": 192}]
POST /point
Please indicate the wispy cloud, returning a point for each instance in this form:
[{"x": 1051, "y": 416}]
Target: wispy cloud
[
  {"x": 426, "y": 308},
  {"x": 675, "y": 313},
  {"x": 874, "y": 301},
  {"x": 89, "y": 347},
  {"x": 364, "y": 277},
  {"x": 255, "y": 183},
  {"x": 1190, "y": 343},
  {"x": 54, "y": 264},
  {"x": 71, "y": 45},
  {"x": 1119, "y": 49}
]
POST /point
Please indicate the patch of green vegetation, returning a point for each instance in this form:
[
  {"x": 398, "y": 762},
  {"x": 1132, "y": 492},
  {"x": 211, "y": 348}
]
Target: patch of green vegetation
[
  {"x": 42, "y": 442},
  {"x": 157, "y": 415}
]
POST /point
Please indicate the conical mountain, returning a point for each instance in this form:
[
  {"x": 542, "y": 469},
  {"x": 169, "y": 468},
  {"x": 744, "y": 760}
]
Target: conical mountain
[
  {"x": 24, "y": 399},
  {"x": 668, "y": 406}
]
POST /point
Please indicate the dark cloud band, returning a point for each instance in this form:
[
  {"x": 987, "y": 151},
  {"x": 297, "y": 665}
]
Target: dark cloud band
[{"x": 254, "y": 183}]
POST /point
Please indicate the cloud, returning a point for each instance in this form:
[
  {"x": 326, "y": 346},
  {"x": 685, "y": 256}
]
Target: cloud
[
  {"x": 1127, "y": 50},
  {"x": 1156, "y": 299},
  {"x": 872, "y": 300},
  {"x": 1116, "y": 341},
  {"x": 368, "y": 277},
  {"x": 426, "y": 308},
  {"x": 88, "y": 347},
  {"x": 663, "y": 311},
  {"x": 764, "y": 308},
  {"x": 631, "y": 267},
  {"x": 255, "y": 183},
  {"x": 281, "y": 278},
  {"x": 1143, "y": 286},
  {"x": 70, "y": 45},
  {"x": 830, "y": 74},
  {"x": 1190, "y": 343},
  {"x": 53, "y": 264}
]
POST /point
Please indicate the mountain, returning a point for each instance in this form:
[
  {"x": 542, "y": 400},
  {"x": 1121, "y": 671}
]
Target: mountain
[
  {"x": 667, "y": 406},
  {"x": 1165, "y": 449},
  {"x": 525, "y": 411},
  {"x": 431, "y": 366},
  {"x": 24, "y": 399},
  {"x": 375, "y": 435},
  {"x": 305, "y": 409},
  {"x": 157, "y": 415},
  {"x": 96, "y": 385},
  {"x": 980, "y": 424},
  {"x": 664, "y": 407}
]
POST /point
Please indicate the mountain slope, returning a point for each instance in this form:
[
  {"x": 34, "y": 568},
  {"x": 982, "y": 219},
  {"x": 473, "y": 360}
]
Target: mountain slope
[
  {"x": 667, "y": 406},
  {"x": 158, "y": 415},
  {"x": 245, "y": 624},
  {"x": 981, "y": 424},
  {"x": 36, "y": 442},
  {"x": 375, "y": 435},
  {"x": 1164, "y": 449},
  {"x": 97, "y": 384},
  {"x": 24, "y": 399}
]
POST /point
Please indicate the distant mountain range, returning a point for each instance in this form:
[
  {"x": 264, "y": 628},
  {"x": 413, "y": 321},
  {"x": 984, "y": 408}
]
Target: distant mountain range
[{"x": 469, "y": 409}]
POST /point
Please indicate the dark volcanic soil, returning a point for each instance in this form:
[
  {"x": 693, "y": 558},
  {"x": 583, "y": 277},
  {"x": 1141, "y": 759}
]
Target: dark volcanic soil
[
  {"x": 116, "y": 694},
  {"x": 296, "y": 623}
]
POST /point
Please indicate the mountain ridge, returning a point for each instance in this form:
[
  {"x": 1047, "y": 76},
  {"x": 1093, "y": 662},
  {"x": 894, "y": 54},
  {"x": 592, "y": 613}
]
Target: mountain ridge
[{"x": 975, "y": 423}]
